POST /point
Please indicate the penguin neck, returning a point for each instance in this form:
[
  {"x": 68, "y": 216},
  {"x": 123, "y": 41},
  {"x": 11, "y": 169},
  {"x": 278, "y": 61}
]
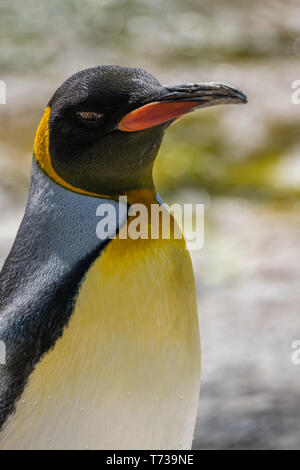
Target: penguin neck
[
  {"x": 132, "y": 188},
  {"x": 112, "y": 185}
]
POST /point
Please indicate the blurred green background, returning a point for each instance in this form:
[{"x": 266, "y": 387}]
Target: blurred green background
[{"x": 243, "y": 162}]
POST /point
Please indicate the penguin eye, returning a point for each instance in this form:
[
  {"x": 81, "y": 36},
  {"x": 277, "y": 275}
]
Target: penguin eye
[{"x": 89, "y": 117}]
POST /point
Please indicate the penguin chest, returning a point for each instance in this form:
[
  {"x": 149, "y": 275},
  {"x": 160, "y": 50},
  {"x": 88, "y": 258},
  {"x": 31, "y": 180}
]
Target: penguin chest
[{"x": 125, "y": 374}]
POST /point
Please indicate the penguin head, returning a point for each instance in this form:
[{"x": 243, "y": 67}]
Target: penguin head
[{"x": 103, "y": 127}]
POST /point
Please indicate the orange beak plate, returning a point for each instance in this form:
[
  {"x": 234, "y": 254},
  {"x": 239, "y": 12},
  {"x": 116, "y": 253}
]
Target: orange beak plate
[{"x": 153, "y": 114}]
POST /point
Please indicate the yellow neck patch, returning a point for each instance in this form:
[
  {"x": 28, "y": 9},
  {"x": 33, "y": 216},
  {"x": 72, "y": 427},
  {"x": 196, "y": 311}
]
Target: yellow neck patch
[{"x": 43, "y": 158}]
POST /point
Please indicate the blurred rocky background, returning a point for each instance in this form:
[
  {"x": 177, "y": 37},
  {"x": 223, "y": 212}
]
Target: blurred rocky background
[{"x": 242, "y": 162}]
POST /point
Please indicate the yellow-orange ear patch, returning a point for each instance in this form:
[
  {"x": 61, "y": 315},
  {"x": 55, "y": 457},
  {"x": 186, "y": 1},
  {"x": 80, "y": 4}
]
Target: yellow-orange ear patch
[{"x": 41, "y": 145}]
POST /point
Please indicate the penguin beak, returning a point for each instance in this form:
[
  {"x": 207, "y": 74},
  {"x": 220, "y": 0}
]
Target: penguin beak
[{"x": 178, "y": 101}]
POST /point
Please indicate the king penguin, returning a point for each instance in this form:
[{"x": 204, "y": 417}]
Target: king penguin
[{"x": 101, "y": 333}]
